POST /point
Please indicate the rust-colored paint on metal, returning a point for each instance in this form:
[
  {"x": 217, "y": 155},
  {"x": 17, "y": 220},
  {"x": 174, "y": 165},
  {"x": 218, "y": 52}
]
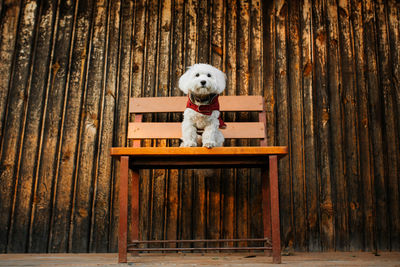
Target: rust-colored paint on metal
[
  {"x": 123, "y": 210},
  {"x": 274, "y": 195}
]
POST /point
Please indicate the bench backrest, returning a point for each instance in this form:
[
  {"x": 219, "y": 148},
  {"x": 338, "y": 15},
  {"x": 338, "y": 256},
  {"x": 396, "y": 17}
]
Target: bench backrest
[{"x": 138, "y": 130}]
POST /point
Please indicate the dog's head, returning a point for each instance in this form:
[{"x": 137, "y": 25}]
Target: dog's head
[{"x": 202, "y": 80}]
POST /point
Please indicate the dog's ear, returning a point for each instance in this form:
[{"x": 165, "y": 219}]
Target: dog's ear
[
  {"x": 184, "y": 81},
  {"x": 221, "y": 81}
]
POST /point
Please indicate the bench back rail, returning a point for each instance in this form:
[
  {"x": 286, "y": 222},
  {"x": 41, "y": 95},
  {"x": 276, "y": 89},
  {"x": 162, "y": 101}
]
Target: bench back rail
[{"x": 138, "y": 129}]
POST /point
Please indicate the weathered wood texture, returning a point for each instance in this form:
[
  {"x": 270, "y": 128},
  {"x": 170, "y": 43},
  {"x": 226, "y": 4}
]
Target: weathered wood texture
[{"x": 329, "y": 73}]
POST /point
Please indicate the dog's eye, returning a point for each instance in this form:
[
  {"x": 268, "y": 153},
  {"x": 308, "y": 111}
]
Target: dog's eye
[
  {"x": 197, "y": 75},
  {"x": 209, "y": 75}
]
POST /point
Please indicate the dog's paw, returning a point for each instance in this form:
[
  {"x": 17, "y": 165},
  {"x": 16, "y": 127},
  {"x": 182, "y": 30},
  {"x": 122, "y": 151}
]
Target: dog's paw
[
  {"x": 188, "y": 144},
  {"x": 210, "y": 144}
]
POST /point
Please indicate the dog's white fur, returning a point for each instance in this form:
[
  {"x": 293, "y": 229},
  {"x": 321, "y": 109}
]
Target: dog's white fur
[{"x": 201, "y": 80}]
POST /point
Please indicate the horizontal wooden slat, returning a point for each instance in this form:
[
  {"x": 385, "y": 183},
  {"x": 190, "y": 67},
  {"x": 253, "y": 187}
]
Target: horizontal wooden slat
[
  {"x": 188, "y": 151},
  {"x": 178, "y": 104},
  {"x": 172, "y": 130},
  {"x": 198, "y": 157}
]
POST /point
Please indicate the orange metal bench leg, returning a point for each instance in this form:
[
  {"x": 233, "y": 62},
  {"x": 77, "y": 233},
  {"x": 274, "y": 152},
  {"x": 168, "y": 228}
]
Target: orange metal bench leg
[
  {"x": 135, "y": 207},
  {"x": 274, "y": 190},
  {"x": 123, "y": 210}
]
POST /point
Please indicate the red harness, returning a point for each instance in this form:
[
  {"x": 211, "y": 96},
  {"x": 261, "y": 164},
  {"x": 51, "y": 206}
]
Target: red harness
[{"x": 207, "y": 109}]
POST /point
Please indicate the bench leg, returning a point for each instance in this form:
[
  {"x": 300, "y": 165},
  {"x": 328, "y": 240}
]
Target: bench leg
[
  {"x": 135, "y": 207},
  {"x": 274, "y": 190},
  {"x": 266, "y": 207},
  {"x": 123, "y": 210}
]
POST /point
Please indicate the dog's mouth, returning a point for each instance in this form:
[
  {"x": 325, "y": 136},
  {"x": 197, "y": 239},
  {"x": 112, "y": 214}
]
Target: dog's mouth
[{"x": 202, "y": 99}]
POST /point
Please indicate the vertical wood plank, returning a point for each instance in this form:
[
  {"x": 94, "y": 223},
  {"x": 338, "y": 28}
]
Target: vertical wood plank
[
  {"x": 162, "y": 86},
  {"x": 136, "y": 76},
  {"x": 88, "y": 160},
  {"x": 394, "y": 38},
  {"x": 100, "y": 220},
  {"x": 365, "y": 149},
  {"x": 255, "y": 88},
  {"x": 121, "y": 112},
  {"x": 269, "y": 34},
  {"x": 14, "y": 117},
  {"x": 296, "y": 132},
  {"x": 177, "y": 53},
  {"x": 8, "y": 33},
  {"x": 139, "y": 46},
  {"x": 199, "y": 210},
  {"x": 228, "y": 176},
  {"x": 21, "y": 216},
  {"x": 203, "y": 31},
  {"x": 339, "y": 184},
  {"x": 51, "y": 128},
  {"x": 201, "y": 176},
  {"x": 282, "y": 118},
  {"x": 177, "y": 69},
  {"x": 214, "y": 183},
  {"x": 135, "y": 42},
  {"x": 190, "y": 54},
  {"x": 152, "y": 181},
  {"x": 243, "y": 83},
  {"x": 266, "y": 204},
  {"x": 350, "y": 123},
  {"x": 172, "y": 212},
  {"x": 186, "y": 189},
  {"x": 177, "y": 66},
  {"x": 151, "y": 49},
  {"x": 332, "y": 96},
  {"x": 375, "y": 104},
  {"x": 47, "y": 171},
  {"x": 60, "y": 221},
  {"x": 320, "y": 80},
  {"x": 310, "y": 161},
  {"x": 135, "y": 206},
  {"x": 390, "y": 133}
]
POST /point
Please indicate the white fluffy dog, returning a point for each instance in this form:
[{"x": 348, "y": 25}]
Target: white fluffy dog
[{"x": 202, "y": 83}]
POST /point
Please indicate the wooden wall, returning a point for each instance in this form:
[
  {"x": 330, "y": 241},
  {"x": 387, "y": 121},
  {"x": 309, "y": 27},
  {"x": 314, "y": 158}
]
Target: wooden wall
[{"x": 330, "y": 75}]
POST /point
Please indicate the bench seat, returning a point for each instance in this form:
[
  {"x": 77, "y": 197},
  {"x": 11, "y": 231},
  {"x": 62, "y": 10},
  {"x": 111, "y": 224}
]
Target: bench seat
[{"x": 198, "y": 157}]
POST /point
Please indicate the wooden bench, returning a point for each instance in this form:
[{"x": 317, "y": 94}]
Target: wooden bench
[{"x": 136, "y": 158}]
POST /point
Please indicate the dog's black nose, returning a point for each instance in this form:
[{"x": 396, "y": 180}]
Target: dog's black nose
[{"x": 203, "y": 82}]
